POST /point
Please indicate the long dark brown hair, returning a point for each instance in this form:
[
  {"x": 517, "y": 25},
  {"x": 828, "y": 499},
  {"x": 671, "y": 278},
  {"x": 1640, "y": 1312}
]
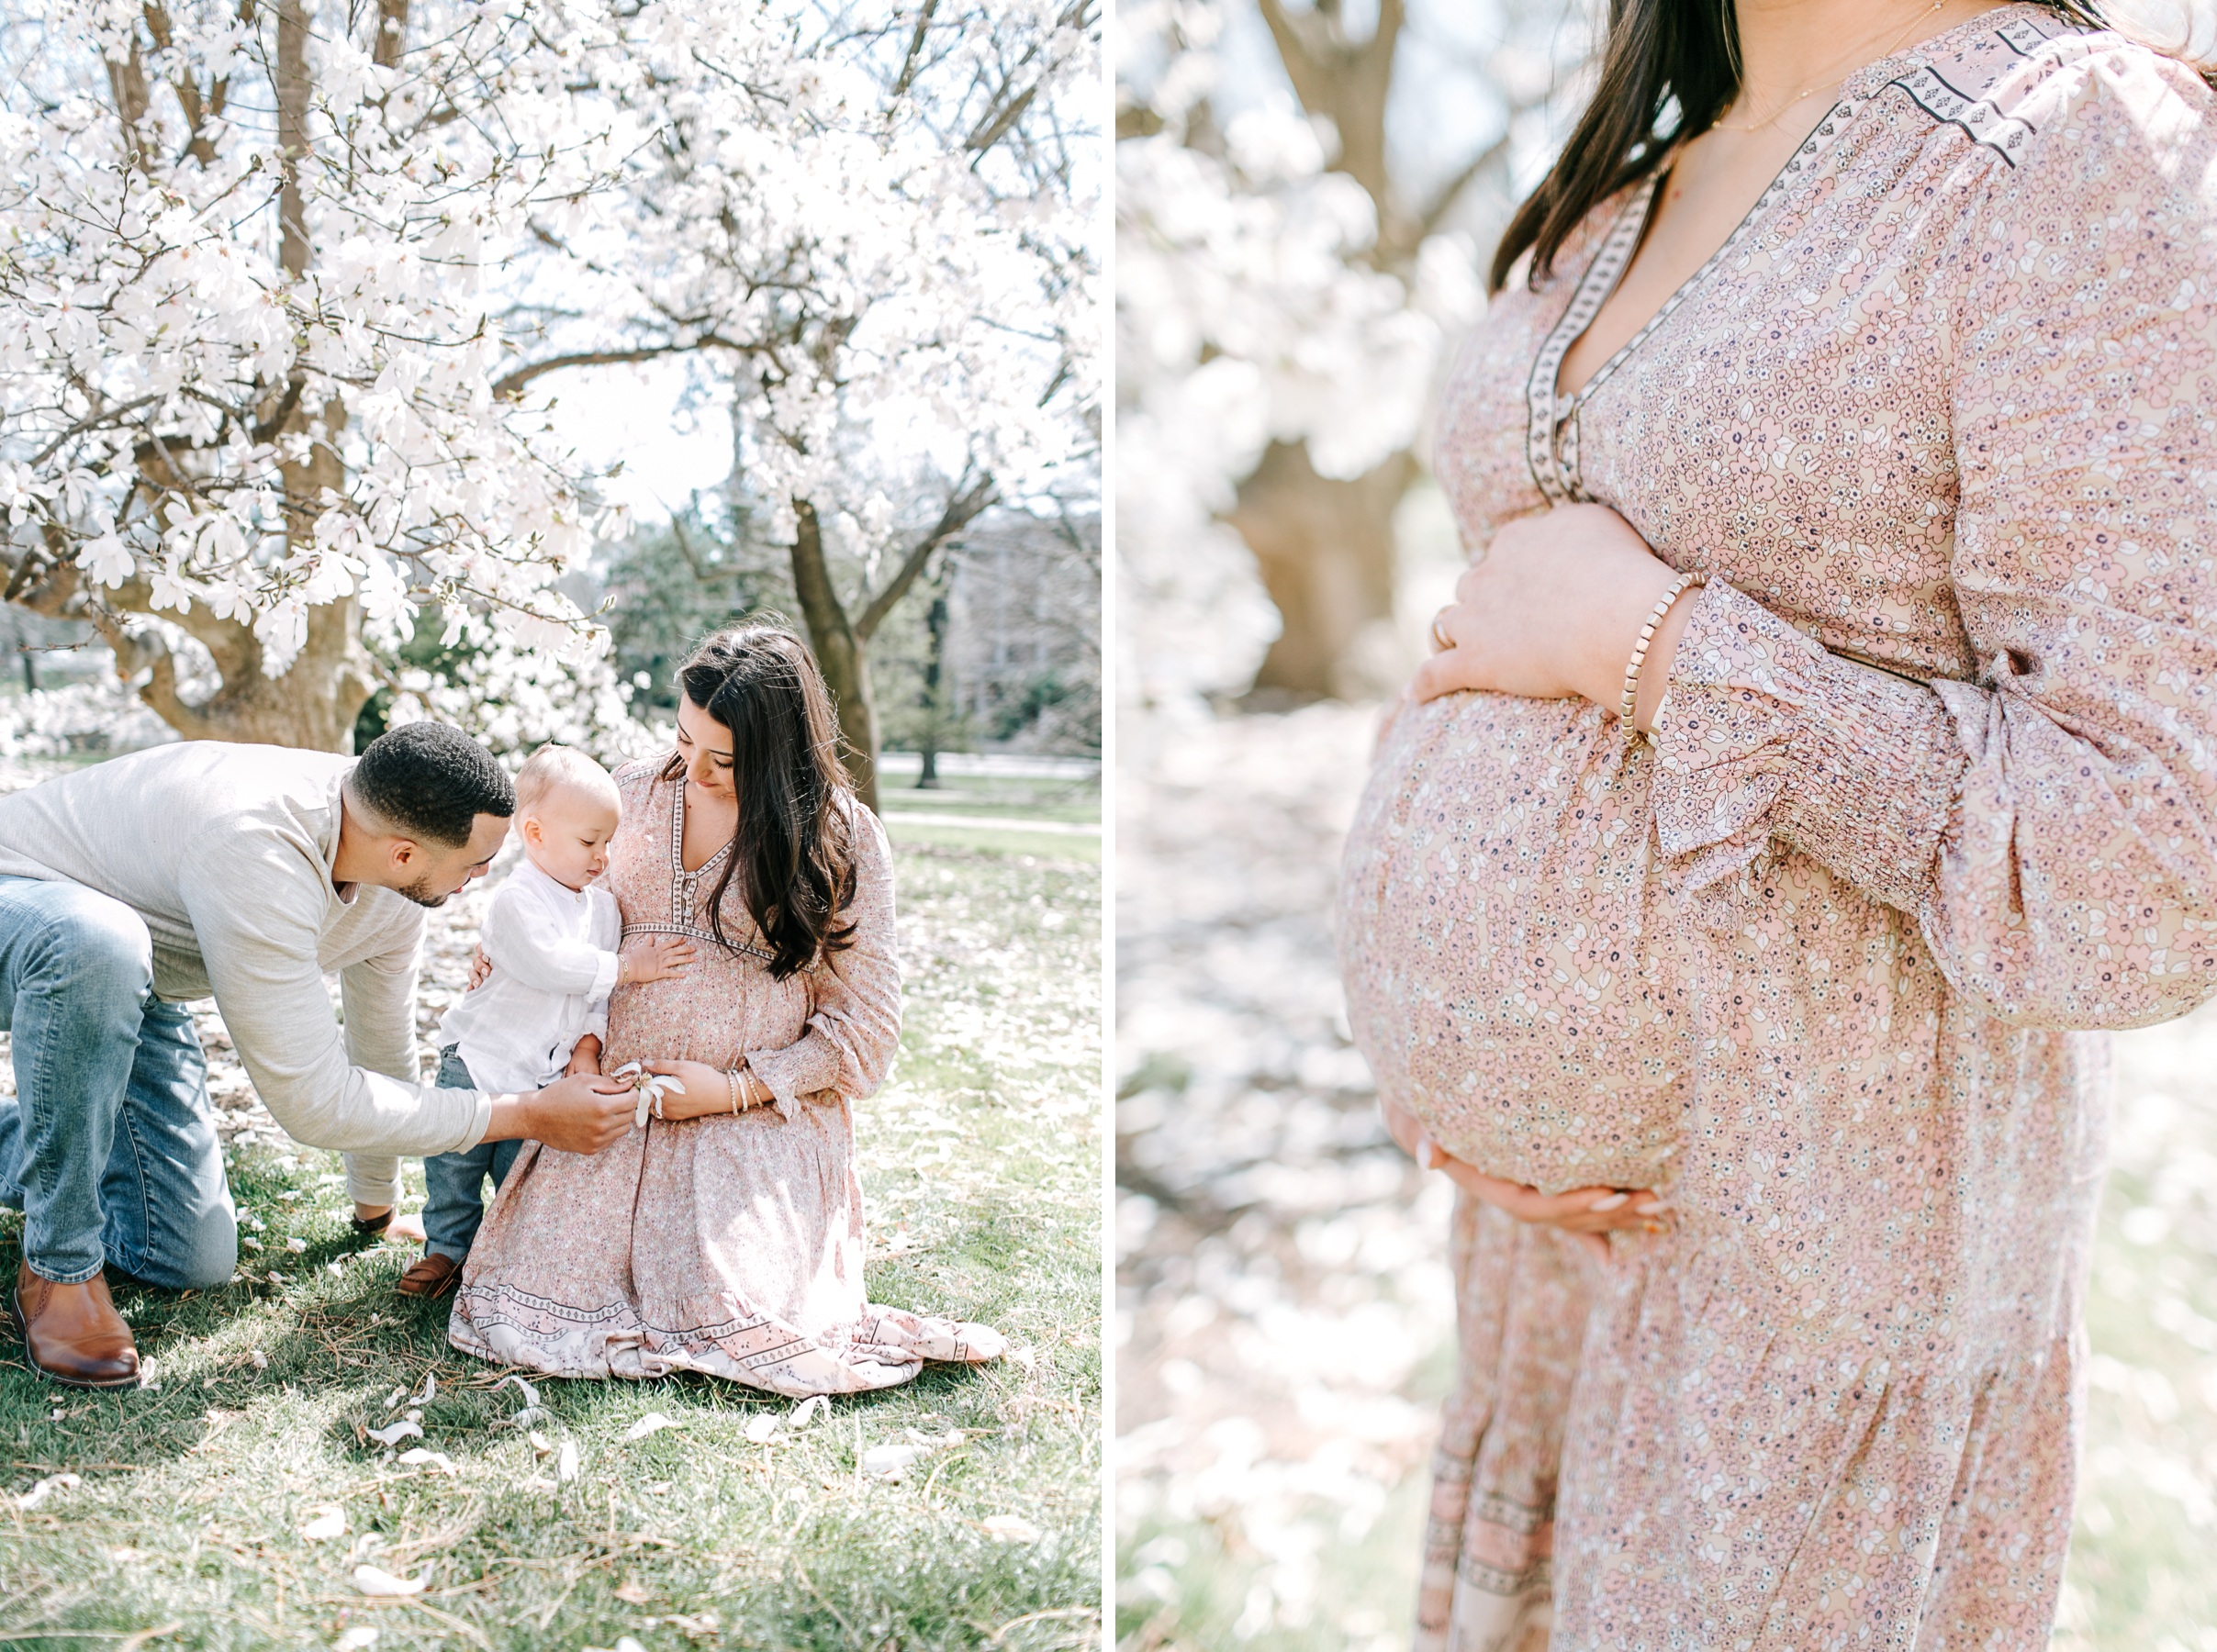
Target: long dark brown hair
[
  {"x": 1673, "y": 58},
  {"x": 791, "y": 851}
]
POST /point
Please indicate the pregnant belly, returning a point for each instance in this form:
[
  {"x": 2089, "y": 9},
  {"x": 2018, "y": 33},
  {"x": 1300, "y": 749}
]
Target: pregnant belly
[
  {"x": 719, "y": 1010},
  {"x": 1509, "y": 974}
]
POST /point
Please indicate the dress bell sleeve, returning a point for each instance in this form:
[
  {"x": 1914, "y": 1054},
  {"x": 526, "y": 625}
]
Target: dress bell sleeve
[
  {"x": 2052, "y": 825},
  {"x": 855, "y": 1026}
]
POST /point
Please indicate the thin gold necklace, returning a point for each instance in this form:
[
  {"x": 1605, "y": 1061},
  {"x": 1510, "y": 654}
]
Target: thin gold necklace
[{"x": 1779, "y": 113}]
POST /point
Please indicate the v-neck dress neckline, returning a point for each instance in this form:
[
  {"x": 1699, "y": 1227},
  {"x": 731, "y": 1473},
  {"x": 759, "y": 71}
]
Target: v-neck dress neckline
[
  {"x": 1551, "y": 418},
  {"x": 686, "y": 883}
]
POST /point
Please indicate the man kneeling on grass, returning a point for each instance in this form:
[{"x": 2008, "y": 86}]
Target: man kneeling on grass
[{"x": 132, "y": 886}]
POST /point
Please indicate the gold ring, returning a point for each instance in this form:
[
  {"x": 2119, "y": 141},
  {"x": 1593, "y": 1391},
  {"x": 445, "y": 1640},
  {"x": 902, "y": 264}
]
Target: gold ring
[{"x": 1440, "y": 640}]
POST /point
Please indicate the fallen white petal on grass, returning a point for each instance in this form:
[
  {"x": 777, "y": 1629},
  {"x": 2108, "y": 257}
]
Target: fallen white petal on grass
[
  {"x": 539, "y": 1442},
  {"x": 808, "y": 1411},
  {"x": 250, "y": 1242},
  {"x": 764, "y": 1429},
  {"x": 953, "y": 1436},
  {"x": 650, "y": 1423},
  {"x": 394, "y": 1398},
  {"x": 1026, "y": 1356},
  {"x": 1011, "y": 1528},
  {"x": 565, "y": 1465},
  {"x": 889, "y": 1460},
  {"x": 530, "y": 1394},
  {"x": 375, "y": 1580},
  {"x": 355, "y": 1639},
  {"x": 296, "y": 1245},
  {"x": 259, "y": 1361},
  {"x": 430, "y": 1386},
  {"x": 436, "y": 1459},
  {"x": 46, "y": 1488},
  {"x": 334, "y": 1267},
  {"x": 523, "y": 1418},
  {"x": 395, "y": 1434},
  {"x": 330, "y": 1521}
]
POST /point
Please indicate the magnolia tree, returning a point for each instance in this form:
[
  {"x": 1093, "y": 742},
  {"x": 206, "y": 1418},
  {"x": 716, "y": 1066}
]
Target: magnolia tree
[
  {"x": 252, "y": 393},
  {"x": 872, "y": 232}
]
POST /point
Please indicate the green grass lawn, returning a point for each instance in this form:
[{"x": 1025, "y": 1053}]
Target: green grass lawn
[
  {"x": 994, "y": 801},
  {"x": 1028, "y": 797},
  {"x": 981, "y": 1161}
]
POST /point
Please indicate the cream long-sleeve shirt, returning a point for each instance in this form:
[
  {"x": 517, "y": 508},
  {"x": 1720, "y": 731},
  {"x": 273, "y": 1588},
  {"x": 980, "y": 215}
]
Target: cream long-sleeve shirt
[
  {"x": 554, "y": 953},
  {"x": 225, "y": 852}
]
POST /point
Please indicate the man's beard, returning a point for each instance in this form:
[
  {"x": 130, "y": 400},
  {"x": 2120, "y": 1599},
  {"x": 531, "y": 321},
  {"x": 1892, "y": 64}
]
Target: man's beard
[{"x": 420, "y": 893}]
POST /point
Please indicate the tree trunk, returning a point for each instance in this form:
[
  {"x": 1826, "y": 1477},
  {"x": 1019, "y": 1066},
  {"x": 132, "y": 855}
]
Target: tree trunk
[
  {"x": 313, "y": 705},
  {"x": 934, "y": 626},
  {"x": 843, "y": 644},
  {"x": 841, "y": 655},
  {"x": 1325, "y": 552}
]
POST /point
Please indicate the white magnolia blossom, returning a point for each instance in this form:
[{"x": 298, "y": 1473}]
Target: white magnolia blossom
[
  {"x": 154, "y": 348},
  {"x": 883, "y": 232},
  {"x": 517, "y": 699},
  {"x": 886, "y": 227}
]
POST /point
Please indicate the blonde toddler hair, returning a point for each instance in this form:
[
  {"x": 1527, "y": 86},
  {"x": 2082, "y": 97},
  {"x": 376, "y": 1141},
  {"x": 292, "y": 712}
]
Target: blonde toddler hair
[{"x": 554, "y": 766}]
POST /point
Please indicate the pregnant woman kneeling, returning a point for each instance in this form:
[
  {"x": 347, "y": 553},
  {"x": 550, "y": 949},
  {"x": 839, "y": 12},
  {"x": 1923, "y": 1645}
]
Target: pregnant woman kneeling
[{"x": 727, "y": 1235}]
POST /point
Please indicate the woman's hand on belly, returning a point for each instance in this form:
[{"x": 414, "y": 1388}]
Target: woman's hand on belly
[
  {"x": 1586, "y": 1213},
  {"x": 709, "y": 1091},
  {"x": 1554, "y": 610}
]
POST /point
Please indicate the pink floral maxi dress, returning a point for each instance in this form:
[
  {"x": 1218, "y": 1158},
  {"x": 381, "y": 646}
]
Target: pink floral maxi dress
[
  {"x": 1934, "y": 791},
  {"x": 726, "y": 1244}
]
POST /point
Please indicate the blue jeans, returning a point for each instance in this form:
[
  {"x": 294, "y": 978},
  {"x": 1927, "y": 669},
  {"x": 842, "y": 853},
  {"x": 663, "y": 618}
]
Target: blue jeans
[
  {"x": 453, "y": 1183},
  {"x": 109, "y": 1147}
]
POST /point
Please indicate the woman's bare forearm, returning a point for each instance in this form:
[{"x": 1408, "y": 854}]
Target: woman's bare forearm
[{"x": 708, "y": 1091}]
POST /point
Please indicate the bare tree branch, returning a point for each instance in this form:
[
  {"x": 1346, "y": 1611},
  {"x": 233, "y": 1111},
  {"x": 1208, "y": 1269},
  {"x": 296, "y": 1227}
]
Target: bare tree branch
[
  {"x": 915, "y": 48},
  {"x": 960, "y": 512},
  {"x": 513, "y": 382}
]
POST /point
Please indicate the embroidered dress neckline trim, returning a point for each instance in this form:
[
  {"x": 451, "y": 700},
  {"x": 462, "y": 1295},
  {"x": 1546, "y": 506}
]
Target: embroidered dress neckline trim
[
  {"x": 677, "y": 843},
  {"x": 1552, "y": 420},
  {"x": 1551, "y": 430}
]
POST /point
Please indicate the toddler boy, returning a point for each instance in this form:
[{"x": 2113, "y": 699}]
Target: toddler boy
[{"x": 553, "y": 941}]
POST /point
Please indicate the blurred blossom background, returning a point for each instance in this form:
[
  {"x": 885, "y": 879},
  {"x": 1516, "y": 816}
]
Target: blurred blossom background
[{"x": 1305, "y": 201}]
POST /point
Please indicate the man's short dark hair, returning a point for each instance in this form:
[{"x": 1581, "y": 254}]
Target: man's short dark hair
[{"x": 430, "y": 781}]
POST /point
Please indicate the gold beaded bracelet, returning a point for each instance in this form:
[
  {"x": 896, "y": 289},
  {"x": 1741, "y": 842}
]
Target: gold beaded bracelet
[{"x": 1647, "y": 635}]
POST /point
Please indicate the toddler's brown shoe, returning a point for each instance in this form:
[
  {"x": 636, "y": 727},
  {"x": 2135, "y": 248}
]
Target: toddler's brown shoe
[{"x": 430, "y": 1274}]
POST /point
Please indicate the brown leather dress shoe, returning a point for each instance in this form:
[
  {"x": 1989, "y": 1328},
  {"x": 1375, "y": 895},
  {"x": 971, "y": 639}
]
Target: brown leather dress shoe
[
  {"x": 430, "y": 1274},
  {"x": 73, "y": 1333}
]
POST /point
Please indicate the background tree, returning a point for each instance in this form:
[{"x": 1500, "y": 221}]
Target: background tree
[
  {"x": 1304, "y": 197},
  {"x": 246, "y": 374},
  {"x": 873, "y": 234}
]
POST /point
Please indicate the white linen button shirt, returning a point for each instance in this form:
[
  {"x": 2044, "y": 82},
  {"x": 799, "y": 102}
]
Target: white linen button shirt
[{"x": 554, "y": 953}]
